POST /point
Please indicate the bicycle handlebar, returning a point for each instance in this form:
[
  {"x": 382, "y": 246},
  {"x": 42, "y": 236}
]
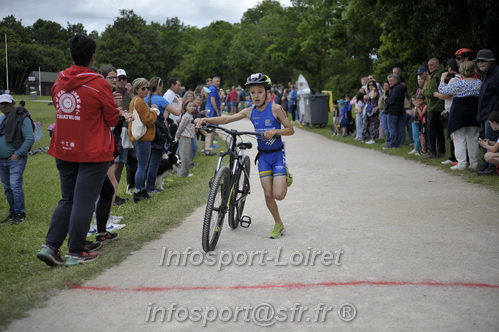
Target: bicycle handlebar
[{"x": 232, "y": 132}]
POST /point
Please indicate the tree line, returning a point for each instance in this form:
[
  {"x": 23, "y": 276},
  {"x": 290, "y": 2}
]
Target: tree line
[{"x": 333, "y": 43}]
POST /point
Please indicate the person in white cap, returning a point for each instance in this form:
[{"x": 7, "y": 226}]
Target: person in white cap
[
  {"x": 16, "y": 138},
  {"x": 122, "y": 159}
]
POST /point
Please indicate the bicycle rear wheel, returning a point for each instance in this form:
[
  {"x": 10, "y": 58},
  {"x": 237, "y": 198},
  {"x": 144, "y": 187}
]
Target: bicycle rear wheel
[
  {"x": 241, "y": 190},
  {"x": 216, "y": 207}
]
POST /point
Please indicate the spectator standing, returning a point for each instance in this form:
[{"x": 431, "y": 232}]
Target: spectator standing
[
  {"x": 488, "y": 101},
  {"x": 394, "y": 107},
  {"x": 185, "y": 133},
  {"x": 383, "y": 128},
  {"x": 370, "y": 129},
  {"x": 83, "y": 146},
  {"x": 435, "y": 106},
  {"x": 162, "y": 136},
  {"x": 122, "y": 159},
  {"x": 292, "y": 102},
  {"x": 462, "y": 118},
  {"x": 172, "y": 96},
  {"x": 451, "y": 77},
  {"x": 142, "y": 146},
  {"x": 16, "y": 138},
  {"x": 233, "y": 97}
]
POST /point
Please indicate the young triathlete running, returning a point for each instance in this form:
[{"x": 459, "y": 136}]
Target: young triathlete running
[{"x": 268, "y": 119}]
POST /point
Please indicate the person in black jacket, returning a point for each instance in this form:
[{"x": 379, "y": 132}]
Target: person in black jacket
[
  {"x": 488, "y": 101},
  {"x": 395, "y": 110}
]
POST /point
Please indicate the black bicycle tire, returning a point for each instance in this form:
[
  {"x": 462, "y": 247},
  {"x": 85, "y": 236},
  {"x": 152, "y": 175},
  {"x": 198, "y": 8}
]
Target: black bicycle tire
[
  {"x": 236, "y": 212},
  {"x": 218, "y": 187}
]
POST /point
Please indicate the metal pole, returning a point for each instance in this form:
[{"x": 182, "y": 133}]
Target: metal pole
[
  {"x": 39, "y": 81},
  {"x": 6, "y": 64}
]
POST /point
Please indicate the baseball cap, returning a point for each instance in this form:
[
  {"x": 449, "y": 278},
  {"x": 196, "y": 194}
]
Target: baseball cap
[
  {"x": 341, "y": 102},
  {"x": 121, "y": 72},
  {"x": 485, "y": 55},
  {"x": 6, "y": 98},
  {"x": 421, "y": 70},
  {"x": 205, "y": 89}
]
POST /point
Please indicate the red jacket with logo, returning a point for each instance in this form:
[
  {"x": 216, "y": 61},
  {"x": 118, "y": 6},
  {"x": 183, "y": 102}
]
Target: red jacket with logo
[{"x": 85, "y": 112}]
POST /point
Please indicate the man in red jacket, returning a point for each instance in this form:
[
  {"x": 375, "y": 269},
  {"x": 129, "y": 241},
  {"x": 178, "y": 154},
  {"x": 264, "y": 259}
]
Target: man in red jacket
[{"x": 82, "y": 144}]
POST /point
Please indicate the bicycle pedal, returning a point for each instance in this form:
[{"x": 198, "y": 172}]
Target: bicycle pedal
[{"x": 245, "y": 221}]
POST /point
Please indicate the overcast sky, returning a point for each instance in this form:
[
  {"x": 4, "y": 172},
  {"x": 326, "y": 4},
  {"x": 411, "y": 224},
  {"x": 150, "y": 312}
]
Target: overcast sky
[{"x": 97, "y": 14}]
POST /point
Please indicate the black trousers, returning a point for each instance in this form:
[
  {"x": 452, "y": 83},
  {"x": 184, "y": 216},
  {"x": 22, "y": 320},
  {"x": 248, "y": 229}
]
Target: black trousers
[
  {"x": 435, "y": 137},
  {"x": 81, "y": 184},
  {"x": 104, "y": 205}
]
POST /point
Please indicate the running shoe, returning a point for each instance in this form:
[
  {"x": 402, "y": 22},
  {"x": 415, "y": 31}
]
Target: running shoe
[
  {"x": 289, "y": 178},
  {"x": 107, "y": 237},
  {"x": 9, "y": 218},
  {"x": 92, "y": 246},
  {"x": 84, "y": 257},
  {"x": 277, "y": 232},
  {"x": 50, "y": 256},
  {"x": 18, "y": 218}
]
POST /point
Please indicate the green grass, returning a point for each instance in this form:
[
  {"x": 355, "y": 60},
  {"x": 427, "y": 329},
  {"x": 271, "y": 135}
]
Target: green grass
[
  {"x": 26, "y": 281},
  {"x": 491, "y": 182}
]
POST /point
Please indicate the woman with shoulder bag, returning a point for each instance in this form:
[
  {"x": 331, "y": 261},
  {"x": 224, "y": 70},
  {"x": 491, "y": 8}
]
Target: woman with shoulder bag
[
  {"x": 162, "y": 133},
  {"x": 142, "y": 131}
]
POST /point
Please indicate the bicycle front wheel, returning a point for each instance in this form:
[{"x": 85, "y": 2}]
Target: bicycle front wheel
[
  {"x": 240, "y": 191},
  {"x": 215, "y": 209}
]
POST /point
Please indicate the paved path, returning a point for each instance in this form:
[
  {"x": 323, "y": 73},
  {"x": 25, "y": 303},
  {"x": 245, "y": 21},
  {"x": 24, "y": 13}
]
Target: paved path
[{"x": 410, "y": 247}]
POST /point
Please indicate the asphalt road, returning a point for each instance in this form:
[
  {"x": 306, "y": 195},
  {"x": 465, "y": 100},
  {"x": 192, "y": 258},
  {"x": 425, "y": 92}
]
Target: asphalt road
[{"x": 373, "y": 243}]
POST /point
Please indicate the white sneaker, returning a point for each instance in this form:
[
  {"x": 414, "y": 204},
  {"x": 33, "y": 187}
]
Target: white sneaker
[
  {"x": 412, "y": 152},
  {"x": 114, "y": 219},
  {"x": 447, "y": 162},
  {"x": 114, "y": 227},
  {"x": 370, "y": 142},
  {"x": 458, "y": 167},
  {"x": 92, "y": 230}
]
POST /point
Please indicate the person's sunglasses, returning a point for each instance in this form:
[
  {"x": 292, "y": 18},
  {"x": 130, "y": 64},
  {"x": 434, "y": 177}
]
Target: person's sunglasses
[
  {"x": 459, "y": 57},
  {"x": 122, "y": 78},
  {"x": 480, "y": 61},
  {"x": 144, "y": 88}
]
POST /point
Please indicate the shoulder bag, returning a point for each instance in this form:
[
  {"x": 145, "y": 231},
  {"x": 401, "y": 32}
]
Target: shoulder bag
[{"x": 138, "y": 128}]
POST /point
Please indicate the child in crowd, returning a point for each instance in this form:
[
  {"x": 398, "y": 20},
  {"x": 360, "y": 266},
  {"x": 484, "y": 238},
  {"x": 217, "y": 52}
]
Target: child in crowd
[
  {"x": 412, "y": 112},
  {"x": 343, "y": 118},
  {"x": 419, "y": 125},
  {"x": 336, "y": 115},
  {"x": 185, "y": 134},
  {"x": 359, "y": 106}
]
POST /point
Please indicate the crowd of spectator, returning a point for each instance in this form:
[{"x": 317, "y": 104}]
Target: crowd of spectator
[{"x": 453, "y": 101}]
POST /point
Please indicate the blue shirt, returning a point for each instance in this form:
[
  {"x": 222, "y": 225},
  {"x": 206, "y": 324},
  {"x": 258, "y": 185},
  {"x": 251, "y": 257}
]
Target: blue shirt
[
  {"x": 7, "y": 149},
  {"x": 160, "y": 102},
  {"x": 263, "y": 121},
  {"x": 209, "y": 106}
]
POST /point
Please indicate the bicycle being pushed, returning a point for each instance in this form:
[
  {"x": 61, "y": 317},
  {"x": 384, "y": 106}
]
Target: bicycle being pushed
[{"x": 229, "y": 187}]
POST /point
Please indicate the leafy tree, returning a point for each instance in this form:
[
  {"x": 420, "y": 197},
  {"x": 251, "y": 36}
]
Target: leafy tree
[{"x": 49, "y": 33}]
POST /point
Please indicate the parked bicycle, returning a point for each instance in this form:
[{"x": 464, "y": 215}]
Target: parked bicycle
[{"x": 229, "y": 188}]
